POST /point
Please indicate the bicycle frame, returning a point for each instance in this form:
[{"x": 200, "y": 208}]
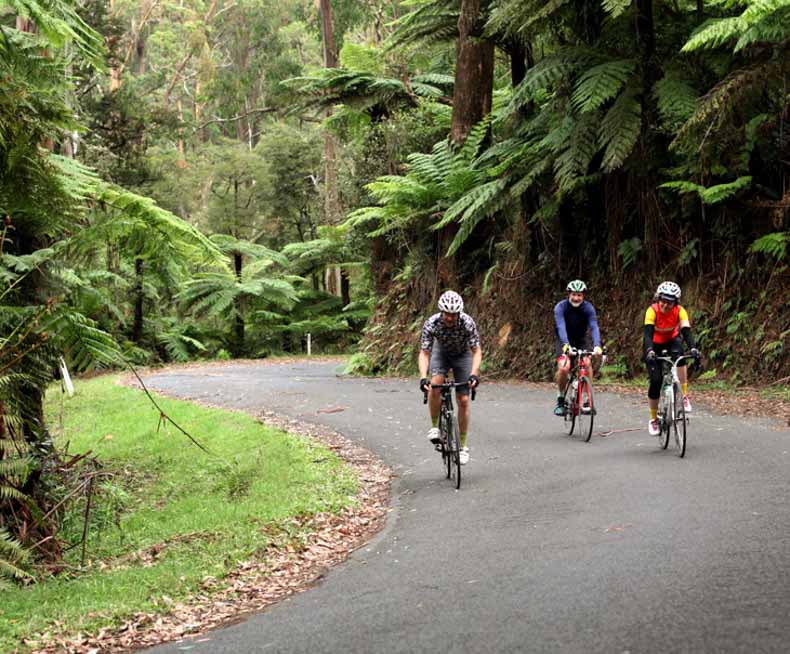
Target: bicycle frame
[
  {"x": 579, "y": 407},
  {"x": 449, "y": 444},
  {"x": 670, "y": 415}
]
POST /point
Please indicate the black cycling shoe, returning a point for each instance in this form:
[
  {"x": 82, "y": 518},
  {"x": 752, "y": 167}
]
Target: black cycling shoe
[{"x": 559, "y": 410}]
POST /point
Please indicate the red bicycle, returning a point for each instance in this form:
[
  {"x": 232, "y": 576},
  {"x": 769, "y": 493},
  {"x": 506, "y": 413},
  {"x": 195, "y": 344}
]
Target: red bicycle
[{"x": 579, "y": 406}]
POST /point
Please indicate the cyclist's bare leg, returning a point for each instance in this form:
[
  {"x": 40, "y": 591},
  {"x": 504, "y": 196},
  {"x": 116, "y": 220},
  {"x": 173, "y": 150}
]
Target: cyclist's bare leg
[
  {"x": 463, "y": 415},
  {"x": 435, "y": 397},
  {"x": 588, "y": 363},
  {"x": 682, "y": 374},
  {"x": 563, "y": 370}
]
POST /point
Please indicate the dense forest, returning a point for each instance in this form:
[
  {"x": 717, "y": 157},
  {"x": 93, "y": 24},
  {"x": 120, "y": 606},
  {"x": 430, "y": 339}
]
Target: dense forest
[{"x": 184, "y": 179}]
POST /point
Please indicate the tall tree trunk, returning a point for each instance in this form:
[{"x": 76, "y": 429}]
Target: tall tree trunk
[
  {"x": 345, "y": 288},
  {"x": 238, "y": 326},
  {"x": 650, "y": 145},
  {"x": 474, "y": 85},
  {"x": 474, "y": 71},
  {"x": 137, "y": 328},
  {"x": 331, "y": 200}
]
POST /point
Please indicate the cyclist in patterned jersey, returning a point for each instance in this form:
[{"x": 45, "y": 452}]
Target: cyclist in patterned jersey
[
  {"x": 572, "y": 319},
  {"x": 450, "y": 340},
  {"x": 665, "y": 322}
]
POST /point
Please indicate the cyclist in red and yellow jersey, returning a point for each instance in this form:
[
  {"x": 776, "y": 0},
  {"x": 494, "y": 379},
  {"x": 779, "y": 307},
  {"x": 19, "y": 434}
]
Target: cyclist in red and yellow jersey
[{"x": 665, "y": 322}]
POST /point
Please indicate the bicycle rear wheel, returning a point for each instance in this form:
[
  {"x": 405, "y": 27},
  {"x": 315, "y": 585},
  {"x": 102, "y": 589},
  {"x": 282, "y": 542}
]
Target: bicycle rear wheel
[
  {"x": 679, "y": 420},
  {"x": 570, "y": 410},
  {"x": 584, "y": 407}
]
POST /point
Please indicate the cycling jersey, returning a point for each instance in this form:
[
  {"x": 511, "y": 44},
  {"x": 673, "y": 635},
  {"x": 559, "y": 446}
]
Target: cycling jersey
[
  {"x": 666, "y": 326},
  {"x": 459, "y": 338},
  {"x": 571, "y": 323}
]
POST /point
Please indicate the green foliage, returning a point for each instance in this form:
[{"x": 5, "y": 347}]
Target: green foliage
[
  {"x": 620, "y": 129},
  {"x": 762, "y": 21},
  {"x": 14, "y": 560},
  {"x": 677, "y": 100},
  {"x": 601, "y": 83},
  {"x": 712, "y": 194},
  {"x": 629, "y": 251},
  {"x": 774, "y": 245}
]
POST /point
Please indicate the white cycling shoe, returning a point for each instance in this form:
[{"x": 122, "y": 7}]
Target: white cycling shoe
[
  {"x": 686, "y": 404},
  {"x": 652, "y": 428},
  {"x": 463, "y": 455},
  {"x": 433, "y": 435}
]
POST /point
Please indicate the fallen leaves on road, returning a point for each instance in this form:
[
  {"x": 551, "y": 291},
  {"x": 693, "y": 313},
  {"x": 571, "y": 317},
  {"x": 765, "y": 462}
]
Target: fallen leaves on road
[{"x": 283, "y": 570}]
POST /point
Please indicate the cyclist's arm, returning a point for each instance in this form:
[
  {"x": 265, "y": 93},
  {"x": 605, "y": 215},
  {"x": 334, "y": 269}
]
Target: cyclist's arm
[
  {"x": 592, "y": 319},
  {"x": 685, "y": 332},
  {"x": 649, "y": 329},
  {"x": 559, "y": 322},
  {"x": 423, "y": 361},
  {"x": 477, "y": 359}
]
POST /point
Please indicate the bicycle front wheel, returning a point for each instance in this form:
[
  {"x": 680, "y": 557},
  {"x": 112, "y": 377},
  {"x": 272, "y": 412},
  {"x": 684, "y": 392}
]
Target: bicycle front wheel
[
  {"x": 454, "y": 453},
  {"x": 446, "y": 430},
  {"x": 584, "y": 407},
  {"x": 665, "y": 418},
  {"x": 570, "y": 409},
  {"x": 679, "y": 420}
]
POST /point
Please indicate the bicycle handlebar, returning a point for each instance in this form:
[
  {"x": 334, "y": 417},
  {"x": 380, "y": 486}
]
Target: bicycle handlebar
[
  {"x": 448, "y": 385},
  {"x": 585, "y": 353},
  {"x": 672, "y": 361}
]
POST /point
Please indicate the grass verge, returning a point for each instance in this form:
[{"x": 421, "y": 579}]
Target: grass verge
[{"x": 165, "y": 515}]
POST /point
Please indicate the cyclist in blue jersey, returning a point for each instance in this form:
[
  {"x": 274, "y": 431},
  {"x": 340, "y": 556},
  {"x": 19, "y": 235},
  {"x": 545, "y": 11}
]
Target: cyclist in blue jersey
[{"x": 573, "y": 318}]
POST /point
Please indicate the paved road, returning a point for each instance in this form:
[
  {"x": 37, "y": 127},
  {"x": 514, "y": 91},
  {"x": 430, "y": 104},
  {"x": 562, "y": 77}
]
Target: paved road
[{"x": 551, "y": 545}]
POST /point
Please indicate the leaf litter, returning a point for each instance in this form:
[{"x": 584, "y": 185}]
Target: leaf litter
[{"x": 286, "y": 566}]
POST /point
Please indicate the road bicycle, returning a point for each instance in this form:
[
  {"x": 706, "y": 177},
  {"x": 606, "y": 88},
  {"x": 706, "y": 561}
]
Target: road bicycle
[
  {"x": 580, "y": 411},
  {"x": 671, "y": 414},
  {"x": 449, "y": 435}
]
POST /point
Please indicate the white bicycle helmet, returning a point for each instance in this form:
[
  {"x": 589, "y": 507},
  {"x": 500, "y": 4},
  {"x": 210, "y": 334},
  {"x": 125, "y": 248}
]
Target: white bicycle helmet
[
  {"x": 669, "y": 291},
  {"x": 451, "y": 302},
  {"x": 576, "y": 286}
]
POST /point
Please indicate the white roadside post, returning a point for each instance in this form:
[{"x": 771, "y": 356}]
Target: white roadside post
[{"x": 309, "y": 345}]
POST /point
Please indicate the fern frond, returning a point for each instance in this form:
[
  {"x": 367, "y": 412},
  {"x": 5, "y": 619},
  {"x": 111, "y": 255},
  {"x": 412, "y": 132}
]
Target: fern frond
[
  {"x": 620, "y": 130},
  {"x": 546, "y": 74},
  {"x": 725, "y": 97},
  {"x": 615, "y": 7},
  {"x": 714, "y": 32},
  {"x": 581, "y": 147},
  {"x": 676, "y": 99},
  {"x": 434, "y": 21},
  {"x": 774, "y": 245},
  {"x": 720, "y": 192},
  {"x": 486, "y": 200},
  {"x": 601, "y": 83},
  {"x": 711, "y": 194}
]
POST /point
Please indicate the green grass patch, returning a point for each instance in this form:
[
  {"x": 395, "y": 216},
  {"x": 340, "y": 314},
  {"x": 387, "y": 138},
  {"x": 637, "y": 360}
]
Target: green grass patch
[{"x": 167, "y": 515}]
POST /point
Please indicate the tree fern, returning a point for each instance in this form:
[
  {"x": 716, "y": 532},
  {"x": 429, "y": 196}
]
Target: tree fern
[{"x": 431, "y": 21}]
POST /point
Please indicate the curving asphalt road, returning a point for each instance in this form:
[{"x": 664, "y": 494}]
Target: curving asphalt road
[{"x": 551, "y": 545}]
